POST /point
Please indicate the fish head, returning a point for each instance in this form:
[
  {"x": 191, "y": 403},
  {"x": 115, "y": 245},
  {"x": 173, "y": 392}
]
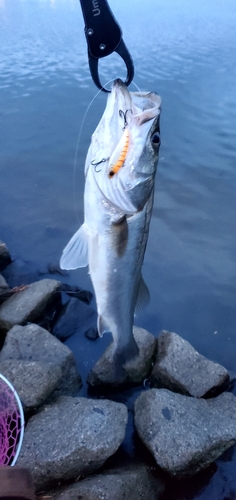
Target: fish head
[{"x": 125, "y": 145}]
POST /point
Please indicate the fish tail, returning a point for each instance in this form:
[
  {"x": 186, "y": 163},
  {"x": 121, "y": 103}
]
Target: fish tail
[{"x": 121, "y": 356}]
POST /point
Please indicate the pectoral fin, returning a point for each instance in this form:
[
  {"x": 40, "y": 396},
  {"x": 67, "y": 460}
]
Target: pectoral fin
[
  {"x": 143, "y": 295},
  {"x": 75, "y": 254},
  {"x": 116, "y": 193}
]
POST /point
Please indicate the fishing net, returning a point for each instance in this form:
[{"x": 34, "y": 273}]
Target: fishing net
[{"x": 11, "y": 423}]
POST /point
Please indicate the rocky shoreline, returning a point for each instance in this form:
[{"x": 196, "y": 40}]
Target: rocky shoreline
[{"x": 183, "y": 414}]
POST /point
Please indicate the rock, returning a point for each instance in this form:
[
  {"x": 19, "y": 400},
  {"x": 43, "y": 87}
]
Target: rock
[
  {"x": 5, "y": 290},
  {"x": 180, "y": 368},
  {"x": 29, "y": 304},
  {"x": 76, "y": 292},
  {"x": 3, "y": 284},
  {"x": 232, "y": 379},
  {"x": 132, "y": 482},
  {"x": 54, "y": 268},
  {"x": 135, "y": 371},
  {"x": 16, "y": 483},
  {"x": 33, "y": 343},
  {"x": 91, "y": 333},
  {"x": 72, "y": 437},
  {"x": 20, "y": 273},
  {"x": 5, "y": 257},
  {"x": 33, "y": 381},
  {"x": 75, "y": 317},
  {"x": 185, "y": 434}
]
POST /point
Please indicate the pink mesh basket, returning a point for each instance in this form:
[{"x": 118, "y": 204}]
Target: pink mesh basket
[{"x": 11, "y": 423}]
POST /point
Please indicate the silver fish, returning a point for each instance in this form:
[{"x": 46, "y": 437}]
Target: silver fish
[{"x": 120, "y": 173}]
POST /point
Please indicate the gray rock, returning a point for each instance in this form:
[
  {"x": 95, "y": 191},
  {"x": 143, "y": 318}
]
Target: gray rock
[
  {"x": 135, "y": 371},
  {"x": 3, "y": 284},
  {"x": 77, "y": 292},
  {"x": 33, "y": 343},
  {"x": 5, "y": 258},
  {"x": 180, "y": 368},
  {"x": 232, "y": 378},
  {"x": 20, "y": 273},
  {"x": 27, "y": 305},
  {"x": 133, "y": 482},
  {"x": 75, "y": 317},
  {"x": 72, "y": 437},
  {"x": 54, "y": 268},
  {"x": 33, "y": 381},
  {"x": 185, "y": 434},
  {"x": 5, "y": 290},
  {"x": 91, "y": 333}
]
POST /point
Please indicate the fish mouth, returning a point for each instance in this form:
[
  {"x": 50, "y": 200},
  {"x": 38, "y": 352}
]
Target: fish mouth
[
  {"x": 143, "y": 106},
  {"x": 119, "y": 99},
  {"x": 119, "y": 87}
]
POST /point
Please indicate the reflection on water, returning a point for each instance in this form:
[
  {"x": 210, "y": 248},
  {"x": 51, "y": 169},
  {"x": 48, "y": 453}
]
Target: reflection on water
[{"x": 184, "y": 50}]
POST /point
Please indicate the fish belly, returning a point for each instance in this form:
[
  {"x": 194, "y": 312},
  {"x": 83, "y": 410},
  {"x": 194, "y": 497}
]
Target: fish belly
[{"x": 116, "y": 255}]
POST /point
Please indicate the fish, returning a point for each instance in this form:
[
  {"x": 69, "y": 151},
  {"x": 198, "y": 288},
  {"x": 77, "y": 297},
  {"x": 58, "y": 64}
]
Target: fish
[{"x": 120, "y": 171}]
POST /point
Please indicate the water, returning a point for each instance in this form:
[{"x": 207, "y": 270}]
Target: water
[{"x": 185, "y": 50}]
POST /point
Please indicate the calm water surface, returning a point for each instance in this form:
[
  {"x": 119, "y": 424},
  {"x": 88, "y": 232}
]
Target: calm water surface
[{"x": 184, "y": 50}]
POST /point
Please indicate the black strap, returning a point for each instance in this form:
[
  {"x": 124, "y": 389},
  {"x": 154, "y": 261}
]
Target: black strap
[{"x": 104, "y": 36}]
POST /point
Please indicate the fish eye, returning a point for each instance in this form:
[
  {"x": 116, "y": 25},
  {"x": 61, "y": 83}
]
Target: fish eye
[{"x": 155, "y": 139}]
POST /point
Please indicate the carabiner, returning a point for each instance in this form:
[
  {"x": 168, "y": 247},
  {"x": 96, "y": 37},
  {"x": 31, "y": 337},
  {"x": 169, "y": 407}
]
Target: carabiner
[{"x": 104, "y": 36}]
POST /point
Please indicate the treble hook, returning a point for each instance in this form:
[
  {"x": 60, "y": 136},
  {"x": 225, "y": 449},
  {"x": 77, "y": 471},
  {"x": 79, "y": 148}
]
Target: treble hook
[
  {"x": 124, "y": 115},
  {"x": 96, "y": 163}
]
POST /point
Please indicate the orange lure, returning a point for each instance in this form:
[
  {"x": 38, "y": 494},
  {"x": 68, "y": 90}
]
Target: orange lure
[{"x": 118, "y": 157}]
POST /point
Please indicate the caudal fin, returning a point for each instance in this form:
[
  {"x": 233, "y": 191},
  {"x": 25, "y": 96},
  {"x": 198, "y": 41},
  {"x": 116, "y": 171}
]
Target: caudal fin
[{"x": 121, "y": 357}]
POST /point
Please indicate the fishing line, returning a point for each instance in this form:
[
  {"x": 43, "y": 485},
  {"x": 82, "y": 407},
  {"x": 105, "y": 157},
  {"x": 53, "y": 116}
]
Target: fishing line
[
  {"x": 140, "y": 92},
  {"x": 77, "y": 148},
  {"x": 75, "y": 194},
  {"x": 137, "y": 87}
]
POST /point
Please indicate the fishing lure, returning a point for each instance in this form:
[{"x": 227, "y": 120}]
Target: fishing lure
[{"x": 119, "y": 155}]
